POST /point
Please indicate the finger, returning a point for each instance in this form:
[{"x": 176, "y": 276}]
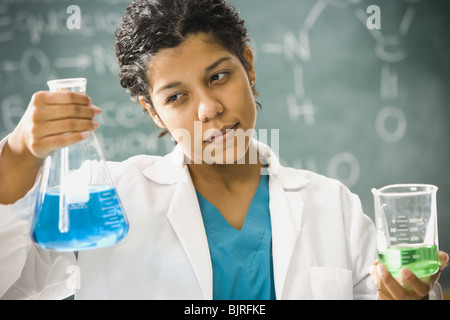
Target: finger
[
  {"x": 64, "y": 126},
  {"x": 384, "y": 295},
  {"x": 44, "y": 146},
  {"x": 419, "y": 287},
  {"x": 374, "y": 276},
  {"x": 96, "y": 109},
  {"x": 58, "y": 141},
  {"x": 389, "y": 284},
  {"x": 54, "y": 112},
  {"x": 443, "y": 263},
  {"x": 443, "y": 259},
  {"x": 65, "y": 97},
  {"x": 376, "y": 282}
]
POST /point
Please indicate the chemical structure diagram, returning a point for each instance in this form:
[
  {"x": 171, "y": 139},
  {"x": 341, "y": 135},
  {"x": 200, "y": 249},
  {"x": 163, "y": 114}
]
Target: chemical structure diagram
[{"x": 390, "y": 122}]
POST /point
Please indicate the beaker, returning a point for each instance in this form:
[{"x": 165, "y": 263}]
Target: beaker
[
  {"x": 406, "y": 222},
  {"x": 77, "y": 206}
]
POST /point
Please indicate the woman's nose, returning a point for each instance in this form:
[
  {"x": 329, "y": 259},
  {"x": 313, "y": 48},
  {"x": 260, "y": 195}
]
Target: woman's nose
[{"x": 209, "y": 107}]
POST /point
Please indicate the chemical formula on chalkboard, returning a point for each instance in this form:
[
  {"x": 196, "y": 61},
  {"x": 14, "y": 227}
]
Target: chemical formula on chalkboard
[{"x": 390, "y": 122}]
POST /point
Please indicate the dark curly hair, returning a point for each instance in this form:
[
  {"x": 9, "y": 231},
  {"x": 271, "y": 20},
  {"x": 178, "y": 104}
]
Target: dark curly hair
[{"x": 151, "y": 25}]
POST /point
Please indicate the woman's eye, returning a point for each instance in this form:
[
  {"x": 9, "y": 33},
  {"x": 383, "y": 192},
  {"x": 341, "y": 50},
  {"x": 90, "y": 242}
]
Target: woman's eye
[
  {"x": 218, "y": 76},
  {"x": 174, "y": 97}
]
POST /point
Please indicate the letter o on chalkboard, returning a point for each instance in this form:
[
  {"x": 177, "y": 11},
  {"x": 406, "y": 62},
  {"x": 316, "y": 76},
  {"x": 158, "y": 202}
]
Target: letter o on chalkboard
[
  {"x": 35, "y": 65},
  {"x": 385, "y": 129},
  {"x": 344, "y": 166}
]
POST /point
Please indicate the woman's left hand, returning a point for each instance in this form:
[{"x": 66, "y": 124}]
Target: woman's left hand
[{"x": 409, "y": 287}]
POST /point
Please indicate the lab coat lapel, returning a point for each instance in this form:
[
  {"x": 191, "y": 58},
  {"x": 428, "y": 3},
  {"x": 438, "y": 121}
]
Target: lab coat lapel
[
  {"x": 184, "y": 215},
  {"x": 285, "y": 212},
  {"x": 186, "y": 219},
  {"x": 286, "y": 206}
]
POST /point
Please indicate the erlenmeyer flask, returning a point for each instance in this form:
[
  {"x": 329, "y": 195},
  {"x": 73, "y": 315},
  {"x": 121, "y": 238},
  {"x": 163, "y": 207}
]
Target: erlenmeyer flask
[{"x": 77, "y": 207}]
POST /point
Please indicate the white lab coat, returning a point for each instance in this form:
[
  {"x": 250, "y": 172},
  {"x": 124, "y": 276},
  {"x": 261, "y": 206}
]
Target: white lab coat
[{"x": 323, "y": 244}]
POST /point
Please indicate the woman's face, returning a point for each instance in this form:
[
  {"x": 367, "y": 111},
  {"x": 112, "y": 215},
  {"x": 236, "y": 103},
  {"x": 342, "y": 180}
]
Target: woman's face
[{"x": 202, "y": 94}]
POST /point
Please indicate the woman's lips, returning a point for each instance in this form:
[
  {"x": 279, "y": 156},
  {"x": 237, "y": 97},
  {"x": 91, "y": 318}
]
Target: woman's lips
[{"x": 222, "y": 134}]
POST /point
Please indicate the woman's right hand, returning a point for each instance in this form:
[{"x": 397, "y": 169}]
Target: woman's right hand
[{"x": 53, "y": 120}]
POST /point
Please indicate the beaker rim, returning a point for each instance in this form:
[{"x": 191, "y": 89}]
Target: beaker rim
[
  {"x": 405, "y": 189},
  {"x": 67, "y": 82}
]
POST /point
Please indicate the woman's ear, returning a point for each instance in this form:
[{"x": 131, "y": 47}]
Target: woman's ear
[
  {"x": 248, "y": 56},
  {"x": 152, "y": 112}
]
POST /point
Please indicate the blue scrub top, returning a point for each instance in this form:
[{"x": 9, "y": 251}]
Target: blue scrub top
[{"x": 241, "y": 259}]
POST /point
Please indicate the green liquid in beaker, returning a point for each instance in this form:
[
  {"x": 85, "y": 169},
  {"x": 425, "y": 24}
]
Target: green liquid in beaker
[{"x": 422, "y": 260}]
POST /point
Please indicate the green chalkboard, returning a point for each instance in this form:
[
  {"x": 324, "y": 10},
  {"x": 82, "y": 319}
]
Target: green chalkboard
[{"x": 366, "y": 106}]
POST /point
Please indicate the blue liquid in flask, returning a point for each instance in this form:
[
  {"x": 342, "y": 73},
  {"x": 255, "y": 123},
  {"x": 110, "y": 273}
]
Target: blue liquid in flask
[{"x": 98, "y": 223}]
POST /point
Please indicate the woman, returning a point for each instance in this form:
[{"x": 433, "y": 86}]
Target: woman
[{"x": 210, "y": 220}]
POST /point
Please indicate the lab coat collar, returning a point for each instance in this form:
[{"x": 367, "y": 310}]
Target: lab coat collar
[{"x": 167, "y": 169}]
